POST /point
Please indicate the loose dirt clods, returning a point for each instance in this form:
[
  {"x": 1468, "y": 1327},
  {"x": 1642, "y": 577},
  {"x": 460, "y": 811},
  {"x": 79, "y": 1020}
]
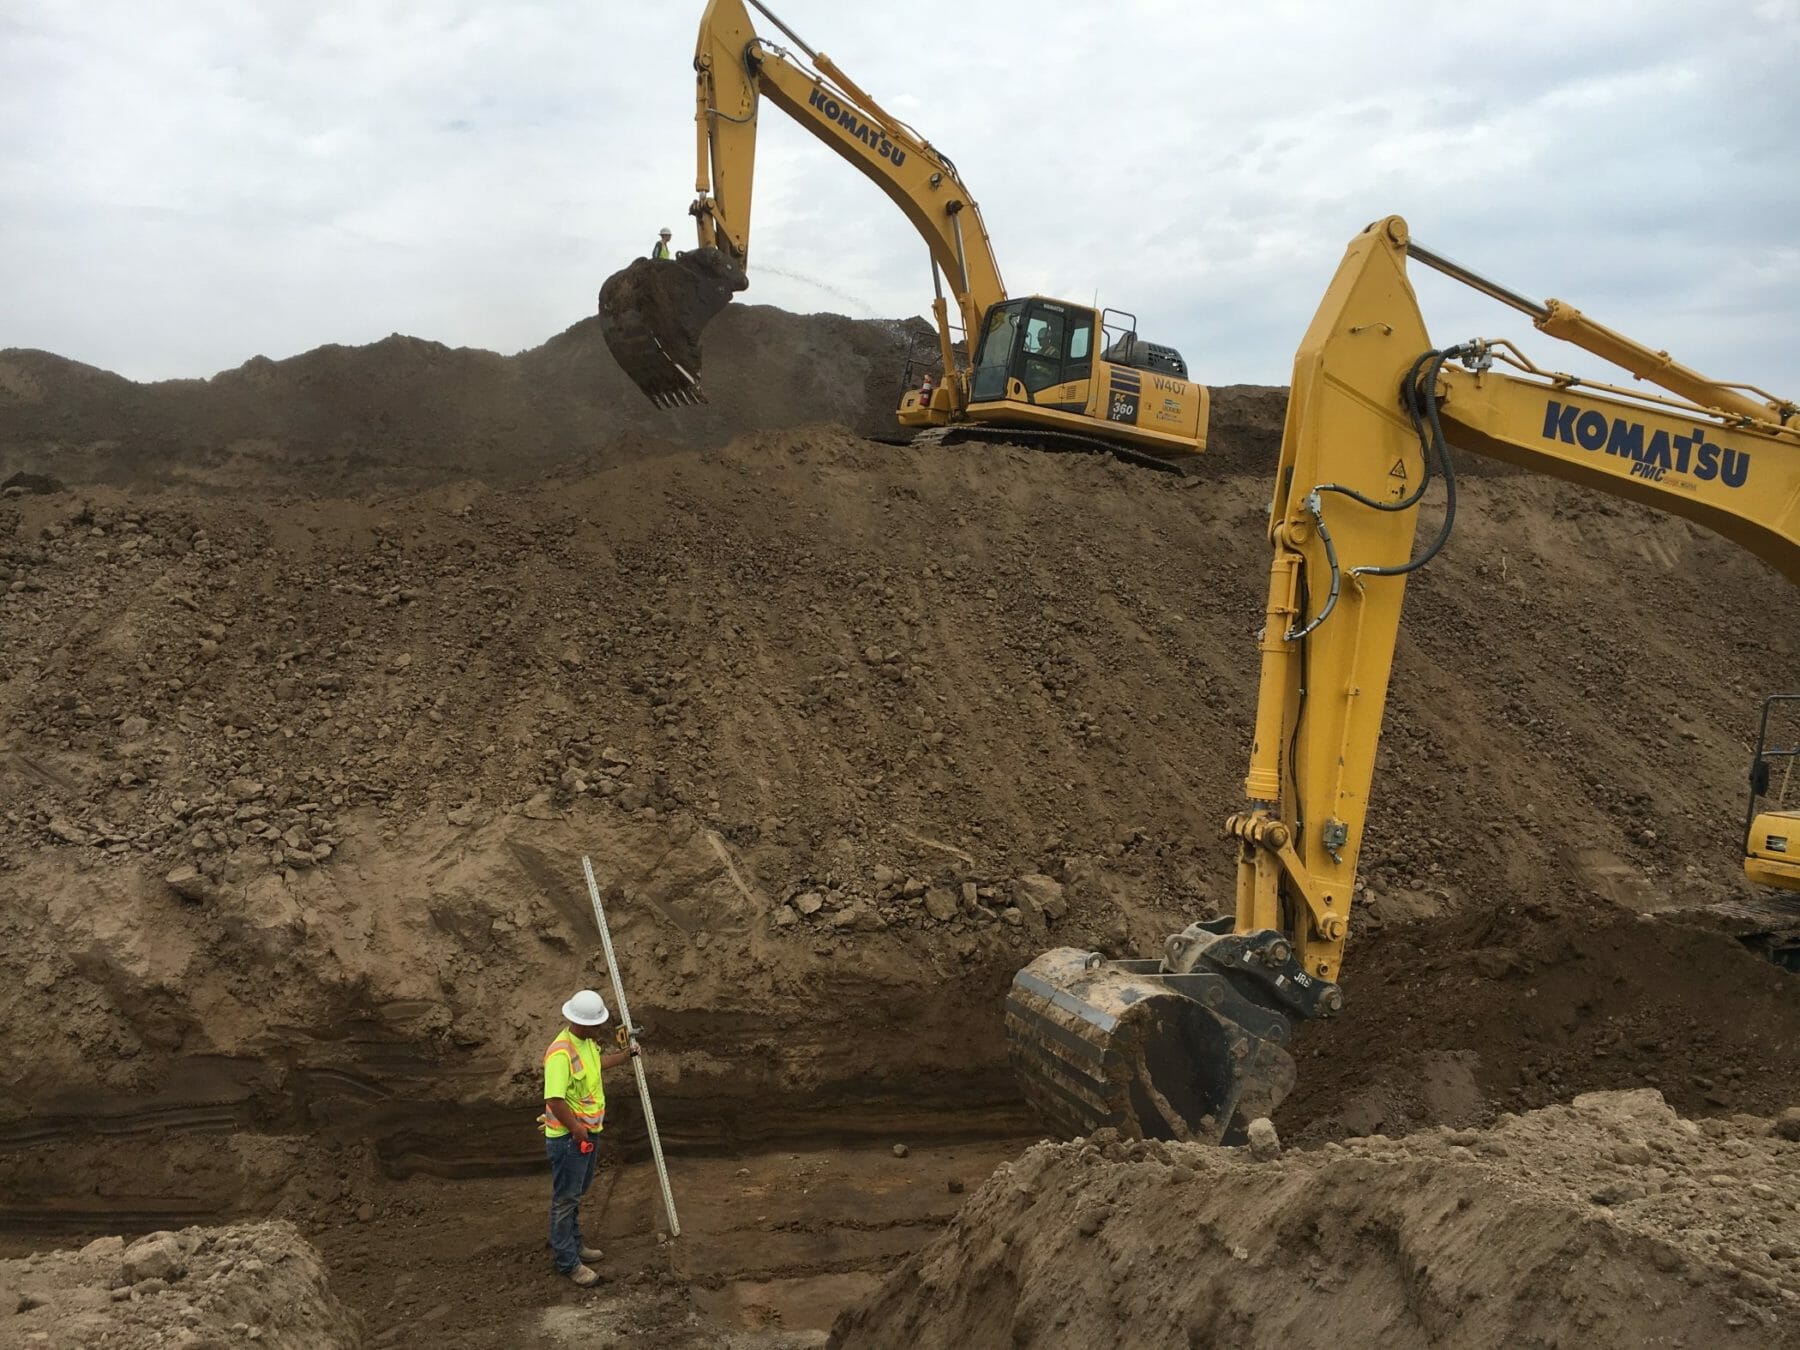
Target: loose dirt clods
[
  {"x": 257, "y": 1282},
  {"x": 320, "y": 677},
  {"x": 1610, "y": 1221}
]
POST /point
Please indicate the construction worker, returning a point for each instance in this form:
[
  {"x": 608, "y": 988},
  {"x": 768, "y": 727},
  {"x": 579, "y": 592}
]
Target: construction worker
[
  {"x": 661, "y": 250},
  {"x": 574, "y": 1115}
]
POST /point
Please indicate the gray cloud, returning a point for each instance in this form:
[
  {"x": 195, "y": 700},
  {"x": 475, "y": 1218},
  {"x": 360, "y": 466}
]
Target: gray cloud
[{"x": 182, "y": 186}]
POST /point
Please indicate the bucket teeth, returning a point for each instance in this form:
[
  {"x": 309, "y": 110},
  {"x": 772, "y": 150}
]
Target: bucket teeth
[
  {"x": 651, "y": 317},
  {"x": 689, "y": 396}
]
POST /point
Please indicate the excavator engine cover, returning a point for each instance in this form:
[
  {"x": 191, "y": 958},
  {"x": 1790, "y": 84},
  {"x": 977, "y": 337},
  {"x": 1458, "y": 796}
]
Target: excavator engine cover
[
  {"x": 1190, "y": 1049},
  {"x": 652, "y": 314}
]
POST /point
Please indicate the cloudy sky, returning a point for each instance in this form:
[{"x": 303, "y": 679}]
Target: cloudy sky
[{"x": 187, "y": 183}]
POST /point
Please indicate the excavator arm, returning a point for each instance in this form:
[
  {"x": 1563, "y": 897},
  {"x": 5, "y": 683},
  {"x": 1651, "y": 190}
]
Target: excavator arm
[
  {"x": 1193, "y": 1044},
  {"x": 652, "y": 313},
  {"x": 1373, "y": 406}
]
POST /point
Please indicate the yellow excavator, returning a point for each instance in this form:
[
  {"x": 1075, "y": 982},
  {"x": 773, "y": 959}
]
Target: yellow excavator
[
  {"x": 1052, "y": 373},
  {"x": 1193, "y": 1044}
]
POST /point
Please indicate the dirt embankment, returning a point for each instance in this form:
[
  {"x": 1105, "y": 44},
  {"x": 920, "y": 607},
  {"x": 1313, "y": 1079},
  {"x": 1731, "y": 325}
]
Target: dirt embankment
[
  {"x": 405, "y": 411},
  {"x": 1611, "y": 1221},
  {"x": 300, "y": 786}
]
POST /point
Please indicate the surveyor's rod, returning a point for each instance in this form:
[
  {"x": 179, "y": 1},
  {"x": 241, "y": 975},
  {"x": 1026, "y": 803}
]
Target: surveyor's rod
[{"x": 612, "y": 967}]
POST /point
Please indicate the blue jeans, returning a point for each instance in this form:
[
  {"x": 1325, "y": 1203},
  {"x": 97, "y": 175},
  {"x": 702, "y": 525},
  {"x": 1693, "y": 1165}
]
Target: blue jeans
[{"x": 571, "y": 1173}]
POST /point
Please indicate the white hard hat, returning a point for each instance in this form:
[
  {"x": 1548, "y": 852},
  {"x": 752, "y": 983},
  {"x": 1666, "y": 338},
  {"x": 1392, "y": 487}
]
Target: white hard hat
[
  {"x": 586, "y": 1009},
  {"x": 664, "y": 232}
]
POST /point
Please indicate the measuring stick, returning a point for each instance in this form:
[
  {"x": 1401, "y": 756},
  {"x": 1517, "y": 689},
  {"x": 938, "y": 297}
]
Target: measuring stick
[{"x": 612, "y": 966}]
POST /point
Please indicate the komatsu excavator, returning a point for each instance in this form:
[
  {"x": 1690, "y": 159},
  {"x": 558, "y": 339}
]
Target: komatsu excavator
[
  {"x": 1053, "y": 373},
  {"x": 1194, "y": 1043}
]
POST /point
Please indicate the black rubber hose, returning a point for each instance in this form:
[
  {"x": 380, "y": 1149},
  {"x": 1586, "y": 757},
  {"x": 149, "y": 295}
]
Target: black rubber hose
[{"x": 1422, "y": 392}]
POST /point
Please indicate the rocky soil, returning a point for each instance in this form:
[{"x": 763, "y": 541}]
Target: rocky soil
[
  {"x": 405, "y": 411},
  {"x": 1610, "y": 1221},
  {"x": 201, "y": 1287}
]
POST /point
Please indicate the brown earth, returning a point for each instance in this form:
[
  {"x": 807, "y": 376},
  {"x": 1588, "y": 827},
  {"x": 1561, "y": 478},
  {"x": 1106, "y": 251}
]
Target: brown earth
[
  {"x": 198, "y": 1287},
  {"x": 1612, "y": 1221},
  {"x": 405, "y": 411},
  {"x": 295, "y": 779}
]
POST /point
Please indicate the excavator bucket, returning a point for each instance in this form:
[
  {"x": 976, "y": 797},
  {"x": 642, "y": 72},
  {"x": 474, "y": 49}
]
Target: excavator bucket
[
  {"x": 652, "y": 313},
  {"x": 1152, "y": 1053}
]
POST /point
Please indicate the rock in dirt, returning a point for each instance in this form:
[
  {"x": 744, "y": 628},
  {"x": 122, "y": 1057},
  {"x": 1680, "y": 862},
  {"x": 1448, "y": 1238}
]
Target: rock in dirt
[
  {"x": 1265, "y": 1143},
  {"x": 189, "y": 882},
  {"x": 1045, "y": 894},
  {"x": 1133, "y": 1243},
  {"x": 1787, "y": 1124},
  {"x": 900, "y": 1150},
  {"x": 161, "y": 1256},
  {"x": 69, "y": 832},
  {"x": 940, "y": 904}
]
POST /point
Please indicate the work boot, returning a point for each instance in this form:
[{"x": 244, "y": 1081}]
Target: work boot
[
  {"x": 591, "y": 1253},
  {"x": 584, "y": 1276}
]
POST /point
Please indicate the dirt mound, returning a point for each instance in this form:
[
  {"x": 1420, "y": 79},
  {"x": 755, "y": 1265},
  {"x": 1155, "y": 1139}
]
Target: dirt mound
[
  {"x": 1609, "y": 1222},
  {"x": 201, "y": 1286},
  {"x": 404, "y": 411}
]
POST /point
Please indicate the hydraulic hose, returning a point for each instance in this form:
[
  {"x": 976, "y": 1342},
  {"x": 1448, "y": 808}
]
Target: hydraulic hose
[{"x": 1419, "y": 398}]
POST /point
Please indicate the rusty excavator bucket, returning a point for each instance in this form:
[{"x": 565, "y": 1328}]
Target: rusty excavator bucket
[
  {"x": 652, "y": 313},
  {"x": 1190, "y": 1047}
]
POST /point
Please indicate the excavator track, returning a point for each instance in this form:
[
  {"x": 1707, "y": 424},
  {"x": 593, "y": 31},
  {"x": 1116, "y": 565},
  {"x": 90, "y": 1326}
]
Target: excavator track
[{"x": 1035, "y": 438}]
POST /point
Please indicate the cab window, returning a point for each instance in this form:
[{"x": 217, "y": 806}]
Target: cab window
[
  {"x": 1079, "y": 337},
  {"x": 1046, "y": 340},
  {"x": 994, "y": 356}
]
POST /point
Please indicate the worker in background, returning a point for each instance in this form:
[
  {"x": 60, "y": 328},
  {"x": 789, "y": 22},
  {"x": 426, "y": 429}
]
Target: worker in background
[
  {"x": 661, "y": 250},
  {"x": 574, "y": 1115}
]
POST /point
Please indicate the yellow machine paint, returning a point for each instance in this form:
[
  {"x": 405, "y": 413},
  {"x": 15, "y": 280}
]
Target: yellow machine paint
[
  {"x": 1041, "y": 363},
  {"x": 1772, "y": 856},
  {"x": 1372, "y": 413},
  {"x": 1068, "y": 374},
  {"x": 1772, "y": 819}
]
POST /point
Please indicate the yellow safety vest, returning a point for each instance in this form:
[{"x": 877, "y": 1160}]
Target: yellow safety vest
[{"x": 572, "y": 1072}]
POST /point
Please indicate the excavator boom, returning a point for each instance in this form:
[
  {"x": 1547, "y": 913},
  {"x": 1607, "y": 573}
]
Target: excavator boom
[
  {"x": 652, "y": 313},
  {"x": 1374, "y": 408},
  {"x": 1033, "y": 370}
]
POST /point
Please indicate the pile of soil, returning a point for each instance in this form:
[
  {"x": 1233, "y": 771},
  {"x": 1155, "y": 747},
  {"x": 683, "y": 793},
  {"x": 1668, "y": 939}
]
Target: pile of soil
[
  {"x": 259, "y": 1282},
  {"x": 1611, "y": 1221},
  {"x": 405, "y": 411}
]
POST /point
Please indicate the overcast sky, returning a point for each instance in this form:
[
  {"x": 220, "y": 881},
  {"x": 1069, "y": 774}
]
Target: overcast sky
[{"x": 185, "y": 185}]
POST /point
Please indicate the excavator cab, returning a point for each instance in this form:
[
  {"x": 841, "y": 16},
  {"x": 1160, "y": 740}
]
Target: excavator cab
[
  {"x": 1772, "y": 818},
  {"x": 1067, "y": 376},
  {"x": 1034, "y": 350}
]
